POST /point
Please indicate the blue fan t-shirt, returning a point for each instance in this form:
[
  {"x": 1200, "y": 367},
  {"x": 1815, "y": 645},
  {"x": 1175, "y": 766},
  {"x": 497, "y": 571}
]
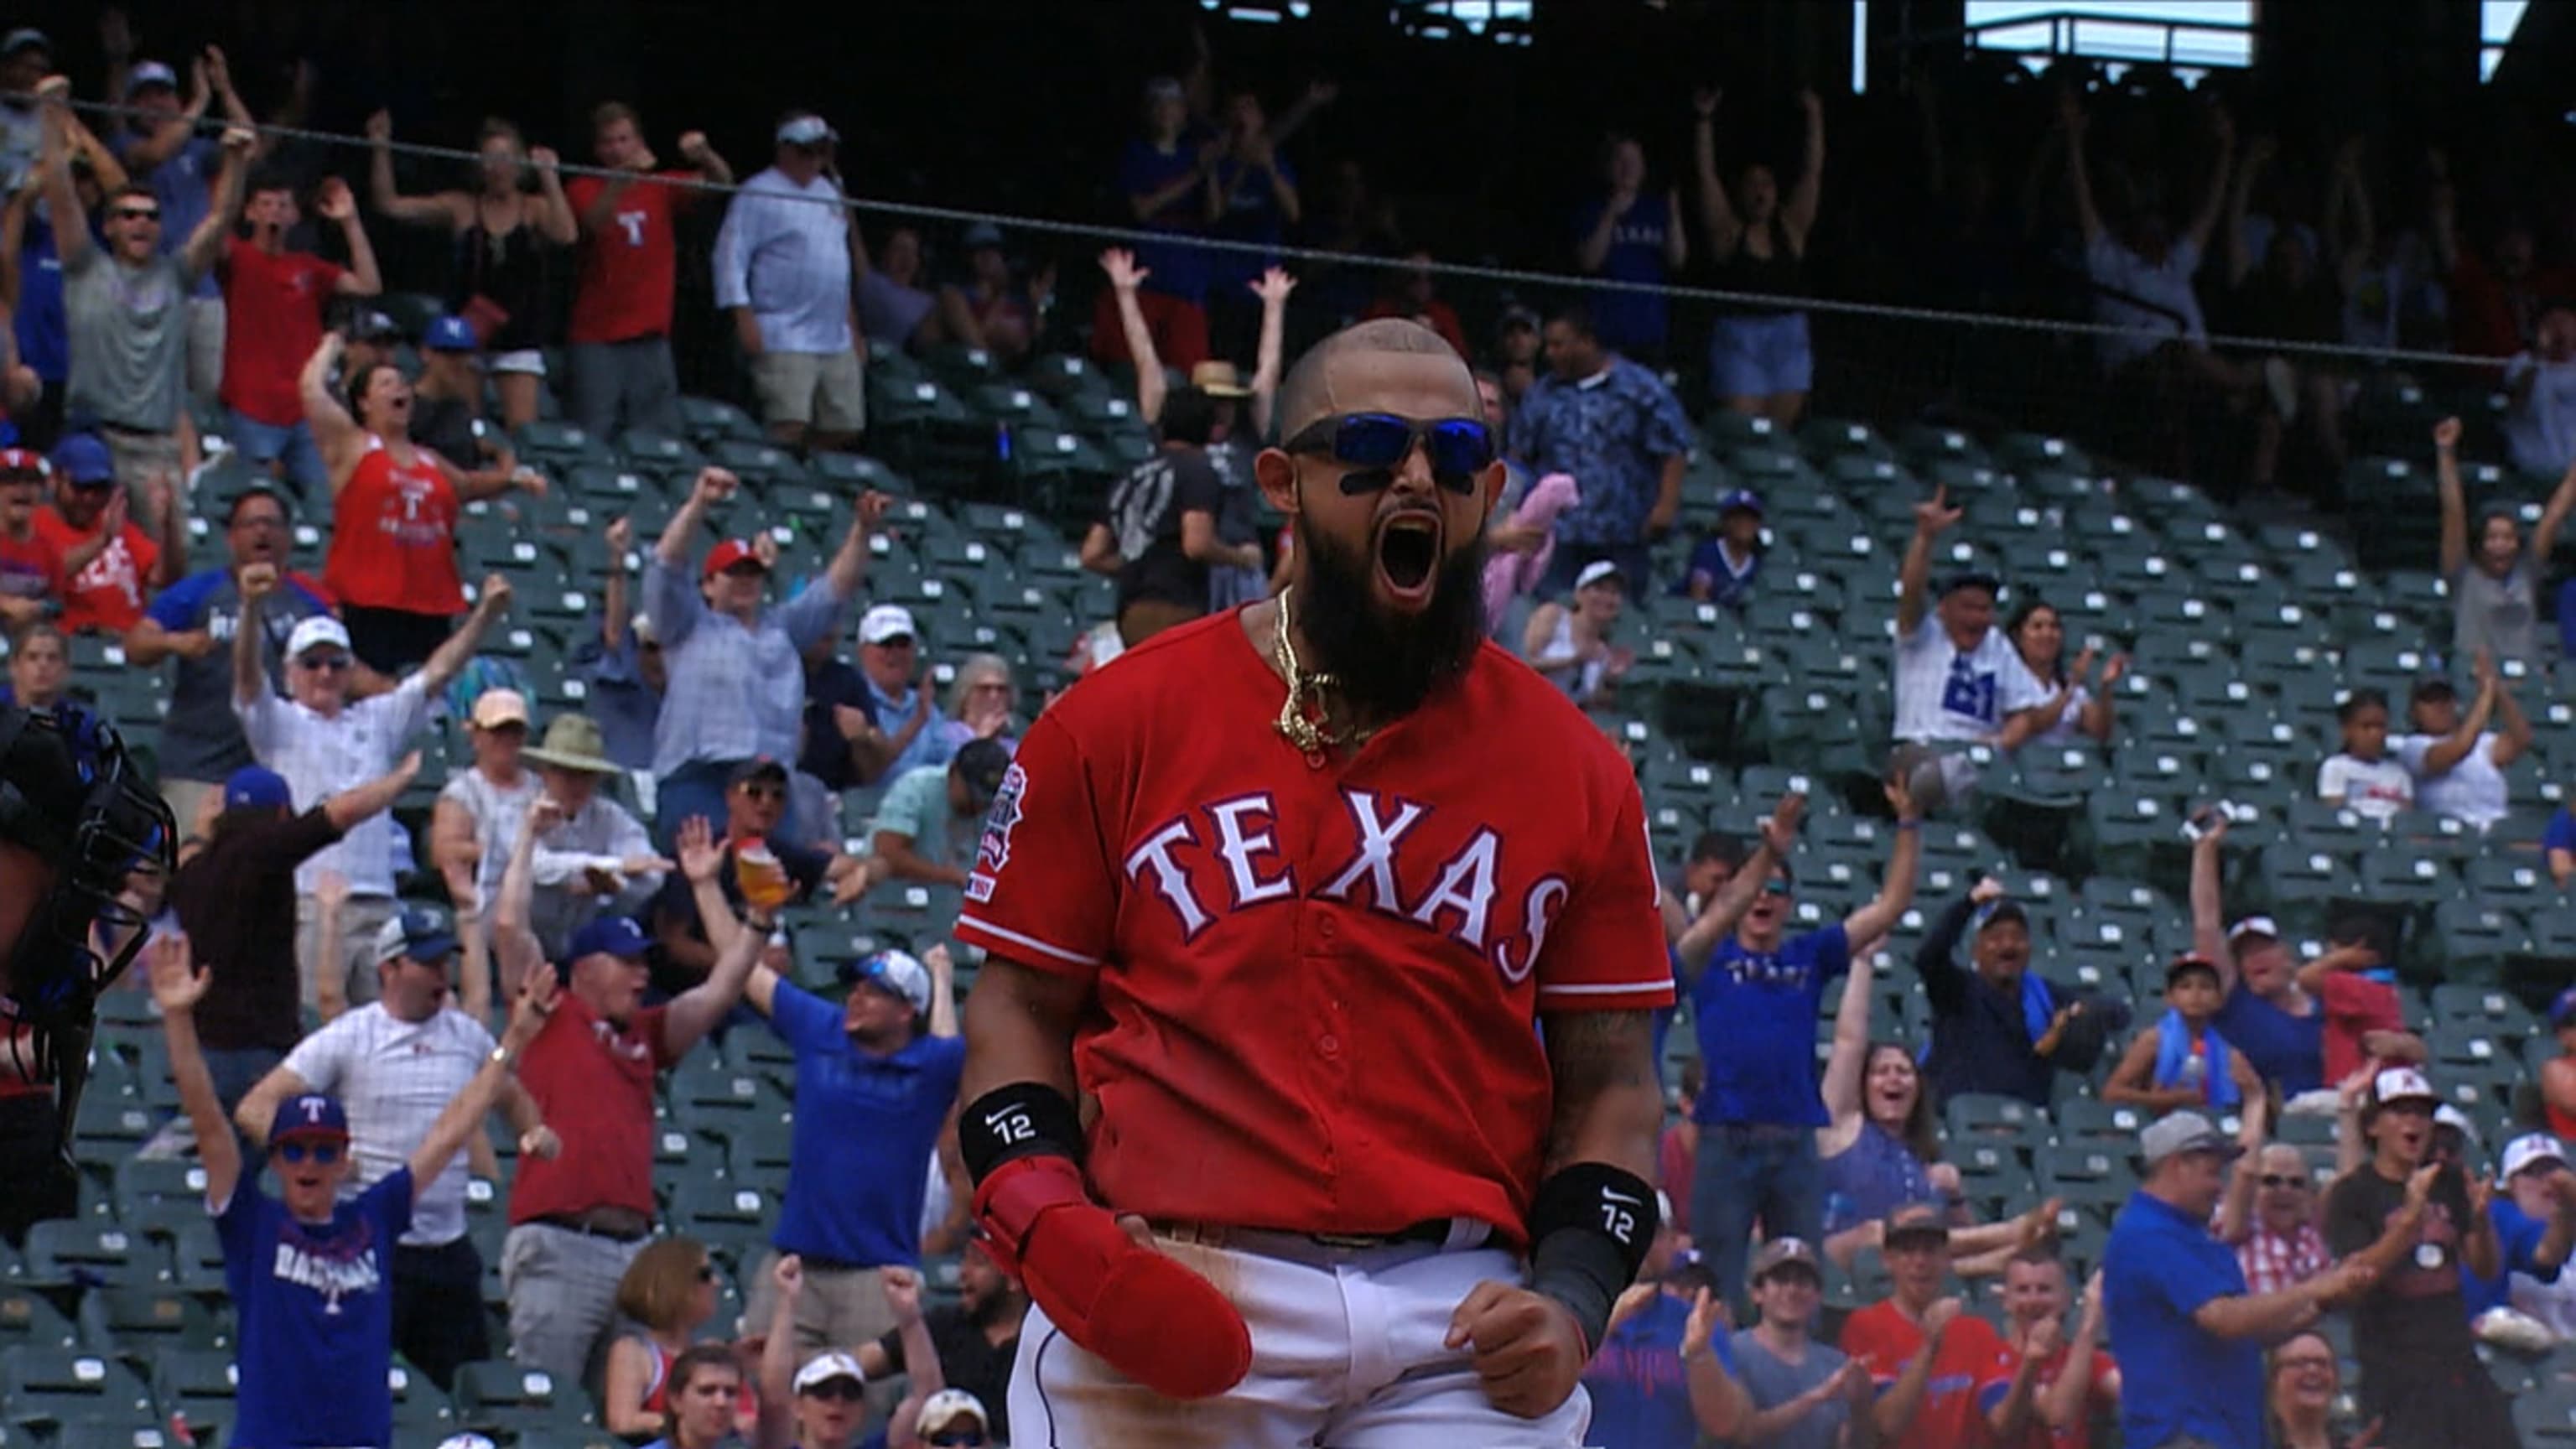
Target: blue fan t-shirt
[
  {"x": 317, "y": 1314},
  {"x": 2286, "y": 1051},
  {"x": 864, "y": 1131},
  {"x": 1640, "y": 1393},
  {"x": 1756, "y": 1017}
]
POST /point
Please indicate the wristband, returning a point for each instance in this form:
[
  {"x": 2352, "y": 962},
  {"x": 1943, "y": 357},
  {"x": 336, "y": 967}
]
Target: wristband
[
  {"x": 1914, "y": 824},
  {"x": 1016, "y": 1120},
  {"x": 1590, "y": 1227}
]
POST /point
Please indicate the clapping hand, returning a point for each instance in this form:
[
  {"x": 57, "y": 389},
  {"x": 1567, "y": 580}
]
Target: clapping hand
[{"x": 1708, "y": 1318}]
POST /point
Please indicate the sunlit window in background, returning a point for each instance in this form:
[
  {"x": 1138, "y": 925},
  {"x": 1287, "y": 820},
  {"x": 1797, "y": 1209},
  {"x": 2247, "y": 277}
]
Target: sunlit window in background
[
  {"x": 2196, "y": 36},
  {"x": 2497, "y": 20}
]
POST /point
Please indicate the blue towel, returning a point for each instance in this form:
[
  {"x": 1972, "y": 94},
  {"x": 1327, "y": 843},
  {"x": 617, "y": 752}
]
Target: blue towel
[
  {"x": 2038, "y": 1008},
  {"x": 2173, "y": 1048}
]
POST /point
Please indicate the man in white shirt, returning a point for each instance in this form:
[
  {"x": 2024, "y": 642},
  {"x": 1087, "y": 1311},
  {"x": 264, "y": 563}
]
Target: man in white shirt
[
  {"x": 600, "y": 860},
  {"x": 1958, "y": 677},
  {"x": 783, "y": 268},
  {"x": 2458, "y": 763},
  {"x": 395, "y": 1064},
  {"x": 324, "y": 743}
]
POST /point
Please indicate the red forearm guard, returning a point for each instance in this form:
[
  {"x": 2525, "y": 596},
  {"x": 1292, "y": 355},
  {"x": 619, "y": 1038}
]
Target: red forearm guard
[{"x": 1139, "y": 1309}]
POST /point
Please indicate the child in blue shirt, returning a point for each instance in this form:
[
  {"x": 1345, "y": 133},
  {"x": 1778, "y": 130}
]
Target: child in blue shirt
[{"x": 1724, "y": 566}]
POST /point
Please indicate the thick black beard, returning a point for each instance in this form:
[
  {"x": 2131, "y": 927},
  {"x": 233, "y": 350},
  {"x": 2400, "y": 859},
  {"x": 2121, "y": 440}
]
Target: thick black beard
[{"x": 1386, "y": 663}]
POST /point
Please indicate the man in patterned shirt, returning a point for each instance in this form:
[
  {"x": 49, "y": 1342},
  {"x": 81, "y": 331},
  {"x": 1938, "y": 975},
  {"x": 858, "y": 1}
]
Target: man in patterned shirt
[
  {"x": 1623, "y": 436},
  {"x": 2277, "y": 1242}
]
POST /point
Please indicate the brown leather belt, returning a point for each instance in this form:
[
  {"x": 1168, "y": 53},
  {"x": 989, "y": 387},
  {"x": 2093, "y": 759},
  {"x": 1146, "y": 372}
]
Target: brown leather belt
[{"x": 617, "y": 1224}]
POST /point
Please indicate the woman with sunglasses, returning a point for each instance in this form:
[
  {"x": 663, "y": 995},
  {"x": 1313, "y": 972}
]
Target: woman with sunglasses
[
  {"x": 668, "y": 1293},
  {"x": 310, "y": 1275}
]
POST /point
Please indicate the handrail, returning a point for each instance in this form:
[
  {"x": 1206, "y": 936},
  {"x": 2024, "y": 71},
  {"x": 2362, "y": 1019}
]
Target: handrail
[{"x": 2065, "y": 28}]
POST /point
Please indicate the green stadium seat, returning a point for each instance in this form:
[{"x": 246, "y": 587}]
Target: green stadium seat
[
  {"x": 29, "y": 1318},
  {"x": 91, "y": 1250},
  {"x": 198, "y": 1387},
  {"x": 53, "y": 1386},
  {"x": 148, "y": 1321},
  {"x": 709, "y": 420}
]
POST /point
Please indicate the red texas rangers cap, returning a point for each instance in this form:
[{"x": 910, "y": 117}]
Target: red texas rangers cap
[{"x": 728, "y": 553}]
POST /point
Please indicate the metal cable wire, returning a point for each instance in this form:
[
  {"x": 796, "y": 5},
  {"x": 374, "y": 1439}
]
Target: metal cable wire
[{"x": 1556, "y": 282}]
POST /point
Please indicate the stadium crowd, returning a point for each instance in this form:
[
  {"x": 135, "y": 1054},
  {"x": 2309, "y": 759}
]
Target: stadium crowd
[{"x": 2257, "y": 1183}]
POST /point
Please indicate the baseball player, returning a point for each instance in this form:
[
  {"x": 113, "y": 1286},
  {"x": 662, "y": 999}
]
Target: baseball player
[{"x": 1347, "y": 921}]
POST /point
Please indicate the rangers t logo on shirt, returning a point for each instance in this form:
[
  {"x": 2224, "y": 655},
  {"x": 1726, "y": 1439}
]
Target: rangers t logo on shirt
[{"x": 993, "y": 849}]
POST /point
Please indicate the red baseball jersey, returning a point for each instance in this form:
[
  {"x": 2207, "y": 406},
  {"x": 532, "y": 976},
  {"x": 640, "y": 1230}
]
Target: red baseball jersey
[
  {"x": 111, "y": 592},
  {"x": 1317, "y": 985},
  {"x": 1971, "y": 1375},
  {"x": 629, "y": 265},
  {"x": 272, "y": 322}
]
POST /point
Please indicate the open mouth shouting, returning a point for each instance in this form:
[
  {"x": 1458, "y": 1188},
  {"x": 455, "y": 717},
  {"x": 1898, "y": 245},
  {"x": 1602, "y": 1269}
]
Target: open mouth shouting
[{"x": 1408, "y": 557}]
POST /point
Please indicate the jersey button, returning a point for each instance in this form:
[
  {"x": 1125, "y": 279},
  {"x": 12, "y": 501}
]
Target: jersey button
[
  {"x": 1328, "y": 1045},
  {"x": 1325, "y": 928}
]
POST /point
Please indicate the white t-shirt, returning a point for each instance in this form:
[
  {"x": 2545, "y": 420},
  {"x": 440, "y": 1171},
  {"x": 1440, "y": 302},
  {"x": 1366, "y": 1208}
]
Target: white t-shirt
[
  {"x": 1942, "y": 694},
  {"x": 2472, "y": 791},
  {"x": 2166, "y": 285},
  {"x": 497, "y": 812},
  {"x": 395, "y": 1078},
  {"x": 2377, "y": 789},
  {"x": 2069, "y": 729}
]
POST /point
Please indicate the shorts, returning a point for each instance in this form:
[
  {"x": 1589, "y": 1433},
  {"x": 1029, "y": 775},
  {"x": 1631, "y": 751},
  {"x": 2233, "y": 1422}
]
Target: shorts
[
  {"x": 820, "y": 389},
  {"x": 524, "y": 359},
  {"x": 142, "y": 456},
  {"x": 1758, "y": 355},
  {"x": 290, "y": 448}
]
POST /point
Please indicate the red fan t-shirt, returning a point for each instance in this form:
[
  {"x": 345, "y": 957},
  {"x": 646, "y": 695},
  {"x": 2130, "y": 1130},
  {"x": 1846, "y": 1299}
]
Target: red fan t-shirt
[
  {"x": 630, "y": 263},
  {"x": 272, "y": 322},
  {"x": 110, "y": 593},
  {"x": 1973, "y": 1372}
]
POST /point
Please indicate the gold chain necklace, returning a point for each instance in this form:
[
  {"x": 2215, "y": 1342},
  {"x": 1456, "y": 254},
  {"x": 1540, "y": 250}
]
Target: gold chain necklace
[{"x": 1304, "y": 716}]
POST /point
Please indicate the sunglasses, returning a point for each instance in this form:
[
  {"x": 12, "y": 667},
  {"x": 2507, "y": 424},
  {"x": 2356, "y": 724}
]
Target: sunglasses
[
  {"x": 842, "y": 1389},
  {"x": 324, "y": 663},
  {"x": 765, "y": 792},
  {"x": 323, "y": 1153},
  {"x": 135, "y": 213},
  {"x": 958, "y": 1436},
  {"x": 1775, "y": 887},
  {"x": 2275, "y": 1179},
  {"x": 1376, "y": 444}
]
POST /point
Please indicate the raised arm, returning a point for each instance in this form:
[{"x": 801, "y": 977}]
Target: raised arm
[
  {"x": 555, "y": 217},
  {"x": 778, "y": 1352},
  {"x": 849, "y": 566},
  {"x": 2208, "y": 898},
  {"x": 2514, "y": 738},
  {"x": 72, "y": 240},
  {"x": 2351, "y": 233},
  {"x": 943, "y": 990},
  {"x": 679, "y": 536},
  {"x": 921, "y": 1367},
  {"x": 1124, "y": 278},
  {"x": 2213, "y": 201},
  {"x": 1272, "y": 288},
  {"x": 2236, "y": 1210},
  {"x": 2447, "y": 752},
  {"x": 336, "y": 205},
  {"x": 1896, "y": 892},
  {"x": 694, "y": 1012},
  {"x": 1931, "y": 519},
  {"x": 177, "y": 987},
  {"x": 2240, "y": 198},
  {"x": 1840, "y": 1088},
  {"x": 335, "y": 433},
  {"x": 206, "y": 243},
  {"x": 2079, "y": 178},
  {"x": 1718, "y": 917},
  {"x": 1716, "y": 217},
  {"x": 441, "y": 209},
  {"x": 2553, "y": 519},
  {"x": 250, "y": 654},
  {"x": 363, "y": 802},
  {"x": 464, "y": 1112},
  {"x": 515, "y": 949},
  {"x": 1800, "y": 211},
  {"x": 1720, "y": 1404},
  {"x": 451, "y": 656},
  {"x": 2455, "y": 508},
  {"x": 163, "y": 141}
]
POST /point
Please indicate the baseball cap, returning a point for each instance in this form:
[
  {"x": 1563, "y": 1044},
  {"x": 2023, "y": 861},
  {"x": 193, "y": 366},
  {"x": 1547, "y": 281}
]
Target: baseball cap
[
  {"x": 314, "y": 632},
  {"x": 2563, "y": 1009},
  {"x": 981, "y": 235},
  {"x": 1597, "y": 570},
  {"x": 1518, "y": 315},
  {"x": 451, "y": 334},
  {"x": 2188, "y": 963},
  {"x": 2400, "y": 1084},
  {"x": 755, "y": 768},
  {"x": 26, "y": 37},
  {"x": 824, "y": 1368},
  {"x": 981, "y": 764},
  {"x": 24, "y": 465},
  {"x": 1218, "y": 378},
  {"x": 729, "y": 553},
  {"x": 1999, "y": 910},
  {"x": 887, "y": 621},
  {"x": 947, "y": 1406},
  {"x": 1782, "y": 1253},
  {"x": 371, "y": 325},
  {"x": 1743, "y": 500},
  {"x": 893, "y": 972},
  {"x": 1163, "y": 88},
  {"x": 149, "y": 73},
  {"x": 1914, "y": 1220},
  {"x": 466, "y": 1441},
  {"x": 312, "y": 1114},
  {"x": 2458, "y": 1121},
  {"x": 2181, "y": 1132},
  {"x": 84, "y": 460},
  {"x": 497, "y": 707},
  {"x": 415, "y": 933},
  {"x": 255, "y": 787},
  {"x": 2262, "y": 926},
  {"x": 2531, "y": 1149},
  {"x": 610, "y": 936},
  {"x": 806, "y": 129},
  {"x": 1971, "y": 579}
]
